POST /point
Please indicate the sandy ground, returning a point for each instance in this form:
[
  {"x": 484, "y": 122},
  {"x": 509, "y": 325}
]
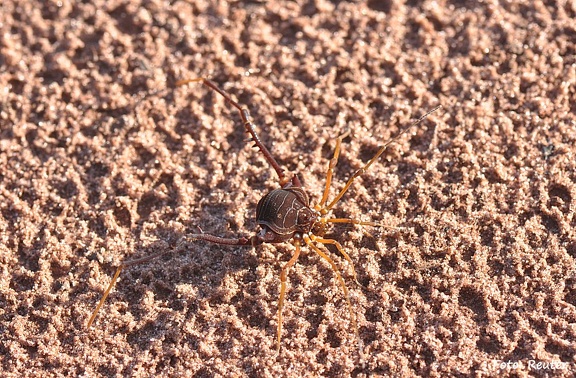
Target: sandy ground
[{"x": 103, "y": 158}]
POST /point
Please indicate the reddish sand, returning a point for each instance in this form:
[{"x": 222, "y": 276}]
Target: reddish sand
[{"x": 102, "y": 158}]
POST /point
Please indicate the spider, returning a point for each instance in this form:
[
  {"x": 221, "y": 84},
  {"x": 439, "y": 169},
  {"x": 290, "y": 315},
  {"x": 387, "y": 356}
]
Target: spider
[{"x": 285, "y": 215}]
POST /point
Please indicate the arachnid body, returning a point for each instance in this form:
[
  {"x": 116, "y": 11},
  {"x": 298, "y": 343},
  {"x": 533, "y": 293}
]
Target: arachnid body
[{"x": 285, "y": 214}]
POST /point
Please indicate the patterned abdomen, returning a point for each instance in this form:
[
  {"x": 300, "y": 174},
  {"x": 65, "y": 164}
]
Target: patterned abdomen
[{"x": 285, "y": 212}]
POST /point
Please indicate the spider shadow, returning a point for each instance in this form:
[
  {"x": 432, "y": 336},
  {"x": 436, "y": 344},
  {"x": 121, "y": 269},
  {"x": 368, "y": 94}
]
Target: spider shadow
[{"x": 163, "y": 294}]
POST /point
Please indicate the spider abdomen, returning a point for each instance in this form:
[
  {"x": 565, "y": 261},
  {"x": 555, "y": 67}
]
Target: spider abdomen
[{"x": 285, "y": 212}]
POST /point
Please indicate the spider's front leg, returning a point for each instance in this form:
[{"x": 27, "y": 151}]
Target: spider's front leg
[
  {"x": 285, "y": 180},
  {"x": 254, "y": 240}
]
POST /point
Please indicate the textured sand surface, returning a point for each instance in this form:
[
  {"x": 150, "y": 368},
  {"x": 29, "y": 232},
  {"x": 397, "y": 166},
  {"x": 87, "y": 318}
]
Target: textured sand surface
[{"x": 102, "y": 158}]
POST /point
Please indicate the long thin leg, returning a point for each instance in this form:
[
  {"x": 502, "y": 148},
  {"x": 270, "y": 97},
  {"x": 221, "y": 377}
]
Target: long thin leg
[
  {"x": 283, "y": 279},
  {"x": 359, "y": 222},
  {"x": 249, "y": 126},
  {"x": 361, "y": 171},
  {"x": 346, "y": 294},
  {"x": 354, "y": 221},
  {"x": 93, "y": 317},
  {"x": 329, "y": 173},
  {"x": 340, "y": 280},
  {"x": 340, "y": 249},
  {"x": 191, "y": 237}
]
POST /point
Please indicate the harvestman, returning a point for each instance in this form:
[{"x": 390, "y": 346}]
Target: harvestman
[{"x": 284, "y": 214}]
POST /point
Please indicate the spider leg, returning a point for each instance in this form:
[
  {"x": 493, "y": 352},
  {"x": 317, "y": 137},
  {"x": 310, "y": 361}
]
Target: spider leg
[
  {"x": 93, "y": 316},
  {"x": 249, "y": 126},
  {"x": 329, "y": 173},
  {"x": 206, "y": 237},
  {"x": 361, "y": 171},
  {"x": 340, "y": 249},
  {"x": 336, "y": 271},
  {"x": 359, "y": 222},
  {"x": 283, "y": 279}
]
